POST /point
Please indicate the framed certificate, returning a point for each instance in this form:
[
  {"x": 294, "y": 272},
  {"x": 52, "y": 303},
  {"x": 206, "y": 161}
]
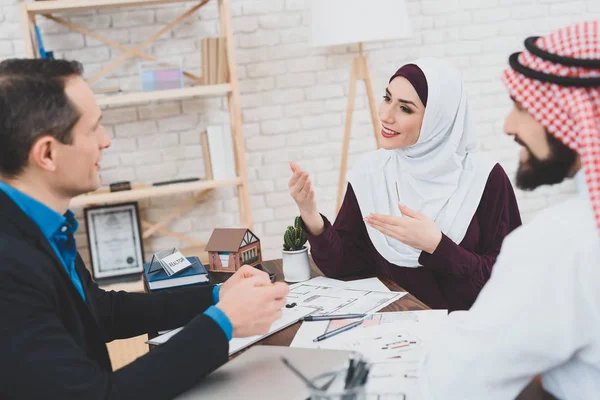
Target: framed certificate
[{"x": 115, "y": 240}]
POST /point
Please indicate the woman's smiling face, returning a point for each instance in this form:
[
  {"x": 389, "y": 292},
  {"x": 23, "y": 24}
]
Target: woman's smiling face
[{"x": 401, "y": 115}]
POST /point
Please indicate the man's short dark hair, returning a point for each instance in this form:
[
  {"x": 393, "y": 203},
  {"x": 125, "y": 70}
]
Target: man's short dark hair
[{"x": 33, "y": 103}]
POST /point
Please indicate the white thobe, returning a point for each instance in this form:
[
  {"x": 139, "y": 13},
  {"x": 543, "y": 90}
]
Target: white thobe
[{"x": 538, "y": 314}]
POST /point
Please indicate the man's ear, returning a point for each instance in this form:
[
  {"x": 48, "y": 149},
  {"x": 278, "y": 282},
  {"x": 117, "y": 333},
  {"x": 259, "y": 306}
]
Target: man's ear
[{"x": 43, "y": 153}]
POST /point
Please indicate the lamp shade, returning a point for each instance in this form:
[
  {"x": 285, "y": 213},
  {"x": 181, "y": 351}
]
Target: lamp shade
[{"x": 336, "y": 22}]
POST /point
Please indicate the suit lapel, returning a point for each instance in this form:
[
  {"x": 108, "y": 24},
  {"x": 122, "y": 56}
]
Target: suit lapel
[
  {"x": 83, "y": 275},
  {"x": 84, "y": 306},
  {"x": 14, "y": 213}
]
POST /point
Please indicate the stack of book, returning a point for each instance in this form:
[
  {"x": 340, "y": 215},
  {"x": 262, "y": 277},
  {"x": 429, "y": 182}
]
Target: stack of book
[
  {"x": 214, "y": 61},
  {"x": 196, "y": 273}
]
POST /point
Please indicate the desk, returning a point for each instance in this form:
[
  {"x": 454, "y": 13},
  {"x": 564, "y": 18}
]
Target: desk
[{"x": 533, "y": 391}]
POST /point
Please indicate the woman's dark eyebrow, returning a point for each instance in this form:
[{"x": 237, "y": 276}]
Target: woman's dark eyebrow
[{"x": 401, "y": 100}]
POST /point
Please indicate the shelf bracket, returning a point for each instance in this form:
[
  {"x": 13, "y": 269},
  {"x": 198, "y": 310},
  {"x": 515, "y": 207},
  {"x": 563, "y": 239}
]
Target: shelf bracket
[
  {"x": 176, "y": 213},
  {"x": 132, "y": 52},
  {"x": 112, "y": 43},
  {"x": 176, "y": 235}
]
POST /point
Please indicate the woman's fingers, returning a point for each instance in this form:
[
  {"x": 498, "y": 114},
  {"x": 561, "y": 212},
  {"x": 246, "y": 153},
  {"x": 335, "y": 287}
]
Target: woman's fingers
[
  {"x": 299, "y": 186},
  {"x": 386, "y": 219},
  {"x": 307, "y": 186},
  {"x": 386, "y": 230},
  {"x": 296, "y": 176}
]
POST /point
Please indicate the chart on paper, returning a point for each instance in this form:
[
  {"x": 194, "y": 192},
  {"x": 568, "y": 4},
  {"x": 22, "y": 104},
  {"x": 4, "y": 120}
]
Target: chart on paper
[
  {"x": 327, "y": 300},
  {"x": 394, "y": 342}
]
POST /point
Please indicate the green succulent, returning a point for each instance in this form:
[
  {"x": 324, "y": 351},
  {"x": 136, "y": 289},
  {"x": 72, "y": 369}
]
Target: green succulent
[{"x": 294, "y": 237}]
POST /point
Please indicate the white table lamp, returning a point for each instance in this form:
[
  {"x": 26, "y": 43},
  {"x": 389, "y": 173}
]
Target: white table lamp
[{"x": 339, "y": 22}]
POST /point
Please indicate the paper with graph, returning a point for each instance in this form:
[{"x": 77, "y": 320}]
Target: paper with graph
[{"x": 394, "y": 342}]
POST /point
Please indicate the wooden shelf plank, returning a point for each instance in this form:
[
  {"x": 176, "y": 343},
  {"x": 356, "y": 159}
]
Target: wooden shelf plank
[
  {"x": 154, "y": 191},
  {"x": 172, "y": 94},
  {"x": 65, "y": 6}
]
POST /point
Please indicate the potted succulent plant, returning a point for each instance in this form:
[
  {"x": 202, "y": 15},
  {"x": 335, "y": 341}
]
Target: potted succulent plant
[{"x": 296, "y": 267}]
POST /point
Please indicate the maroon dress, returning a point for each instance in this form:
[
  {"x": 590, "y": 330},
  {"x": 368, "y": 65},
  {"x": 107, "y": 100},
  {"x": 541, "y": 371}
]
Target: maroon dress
[{"x": 451, "y": 277}]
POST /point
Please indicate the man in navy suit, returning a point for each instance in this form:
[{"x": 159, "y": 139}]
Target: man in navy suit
[{"x": 54, "y": 319}]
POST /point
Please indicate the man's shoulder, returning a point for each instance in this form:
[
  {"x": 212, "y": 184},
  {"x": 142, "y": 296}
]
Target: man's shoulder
[
  {"x": 565, "y": 218},
  {"x": 20, "y": 256},
  {"x": 566, "y": 228}
]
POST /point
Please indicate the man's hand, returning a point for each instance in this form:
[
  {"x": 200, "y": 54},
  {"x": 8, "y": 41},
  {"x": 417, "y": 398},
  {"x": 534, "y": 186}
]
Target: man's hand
[
  {"x": 252, "y": 306},
  {"x": 244, "y": 272}
]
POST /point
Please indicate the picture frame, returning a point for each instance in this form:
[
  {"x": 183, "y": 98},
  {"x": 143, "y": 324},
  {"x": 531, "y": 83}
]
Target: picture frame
[{"x": 115, "y": 241}]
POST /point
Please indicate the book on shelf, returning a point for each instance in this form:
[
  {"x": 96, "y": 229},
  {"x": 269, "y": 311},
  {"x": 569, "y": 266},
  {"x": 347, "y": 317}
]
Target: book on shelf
[
  {"x": 222, "y": 67},
  {"x": 213, "y": 51},
  {"x": 194, "y": 274}
]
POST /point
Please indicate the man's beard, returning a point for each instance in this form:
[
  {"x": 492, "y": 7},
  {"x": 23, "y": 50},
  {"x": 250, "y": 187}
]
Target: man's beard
[{"x": 535, "y": 172}]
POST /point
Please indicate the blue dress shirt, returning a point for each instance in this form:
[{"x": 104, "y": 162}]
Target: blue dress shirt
[
  {"x": 58, "y": 229},
  {"x": 219, "y": 316}
]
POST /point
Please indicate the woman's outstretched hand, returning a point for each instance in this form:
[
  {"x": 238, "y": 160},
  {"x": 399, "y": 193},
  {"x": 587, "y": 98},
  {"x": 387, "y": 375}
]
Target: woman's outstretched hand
[
  {"x": 413, "y": 228},
  {"x": 302, "y": 192}
]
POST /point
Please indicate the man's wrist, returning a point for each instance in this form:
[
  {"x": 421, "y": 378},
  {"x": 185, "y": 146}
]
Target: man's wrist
[{"x": 219, "y": 316}]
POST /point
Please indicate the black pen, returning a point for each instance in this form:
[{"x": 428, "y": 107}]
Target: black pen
[
  {"x": 350, "y": 372},
  {"x": 337, "y": 331},
  {"x": 358, "y": 371},
  {"x": 362, "y": 378},
  {"x": 330, "y": 317}
]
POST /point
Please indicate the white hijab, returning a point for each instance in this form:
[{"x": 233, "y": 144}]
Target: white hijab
[{"x": 441, "y": 175}]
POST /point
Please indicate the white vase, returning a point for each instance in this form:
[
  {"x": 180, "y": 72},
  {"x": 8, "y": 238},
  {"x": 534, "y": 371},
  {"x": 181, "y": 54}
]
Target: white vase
[{"x": 296, "y": 267}]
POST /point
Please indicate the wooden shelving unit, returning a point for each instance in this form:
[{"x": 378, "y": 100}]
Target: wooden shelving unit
[{"x": 46, "y": 9}]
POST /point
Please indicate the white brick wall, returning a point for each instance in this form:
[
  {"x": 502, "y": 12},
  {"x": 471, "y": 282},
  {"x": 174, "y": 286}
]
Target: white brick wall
[{"x": 293, "y": 96}]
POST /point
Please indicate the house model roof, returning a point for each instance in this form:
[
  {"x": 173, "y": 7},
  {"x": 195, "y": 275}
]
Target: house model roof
[{"x": 230, "y": 240}]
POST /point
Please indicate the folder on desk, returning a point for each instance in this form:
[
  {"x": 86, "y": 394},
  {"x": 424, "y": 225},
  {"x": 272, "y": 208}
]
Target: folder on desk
[{"x": 289, "y": 316}]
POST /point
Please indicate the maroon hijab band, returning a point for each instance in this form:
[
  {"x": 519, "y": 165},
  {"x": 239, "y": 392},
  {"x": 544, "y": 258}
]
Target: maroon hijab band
[{"x": 417, "y": 79}]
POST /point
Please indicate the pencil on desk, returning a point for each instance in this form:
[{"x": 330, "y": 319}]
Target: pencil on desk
[
  {"x": 332, "y": 317},
  {"x": 337, "y": 331}
]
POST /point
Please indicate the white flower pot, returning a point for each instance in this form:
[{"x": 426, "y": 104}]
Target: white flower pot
[{"x": 296, "y": 267}]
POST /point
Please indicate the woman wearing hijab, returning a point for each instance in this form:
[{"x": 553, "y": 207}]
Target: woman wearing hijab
[{"x": 426, "y": 210}]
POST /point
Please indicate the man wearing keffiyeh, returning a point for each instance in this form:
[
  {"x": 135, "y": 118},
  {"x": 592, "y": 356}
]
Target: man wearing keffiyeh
[{"x": 539, "y": 314}]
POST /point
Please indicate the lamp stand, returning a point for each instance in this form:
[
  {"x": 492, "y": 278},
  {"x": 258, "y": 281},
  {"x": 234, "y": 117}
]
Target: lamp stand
[{"x": 360, "y": 71}]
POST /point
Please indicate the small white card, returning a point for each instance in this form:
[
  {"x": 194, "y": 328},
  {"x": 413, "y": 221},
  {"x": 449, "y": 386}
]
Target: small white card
[{"x": 174, "y": 263}]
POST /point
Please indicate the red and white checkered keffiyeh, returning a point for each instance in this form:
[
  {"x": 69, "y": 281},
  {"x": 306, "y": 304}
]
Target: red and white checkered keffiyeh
[{"x": 571, "y": 114}]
